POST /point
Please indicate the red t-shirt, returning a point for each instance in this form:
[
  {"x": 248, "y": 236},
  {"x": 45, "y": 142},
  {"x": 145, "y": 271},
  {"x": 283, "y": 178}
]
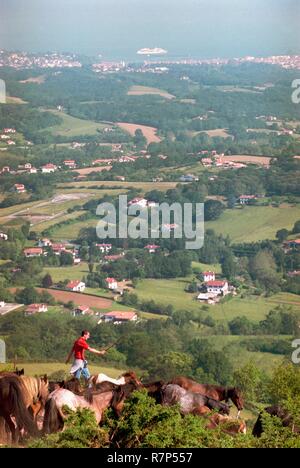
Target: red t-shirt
[{"x": 79, "y": 346}]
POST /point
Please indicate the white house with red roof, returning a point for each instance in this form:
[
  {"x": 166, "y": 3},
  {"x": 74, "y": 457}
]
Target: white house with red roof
[
  {"x": 9, "y": 130},
  {"x": 209, "y": 276},
  {"x": 70, "y": 163},
  {"x": 5, "y": 169},
  {"x": 245, "y": 199},
  {"x": 76, "y": 286},
  {"x": 111, "y": 283},
  {"x": 36, "y": 308},
  {"x": 48, "y": 168},
  {"x": 33, "y": 252},
  {"x": 119, "y": 317},
  {"x": 152, "y": 248},
  {"x": 104, "y": 248},
  {"x": 19, "y": 188},
  {"x": 217, "y": 287},
  {"x": 140, "y": 202}
]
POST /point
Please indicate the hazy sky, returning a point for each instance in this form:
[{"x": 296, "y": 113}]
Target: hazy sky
[{"x": 117, "y": 28}]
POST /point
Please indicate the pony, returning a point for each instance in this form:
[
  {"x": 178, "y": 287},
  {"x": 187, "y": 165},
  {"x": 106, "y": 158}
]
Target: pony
[
  {"x": 14, "y": 404},
  {"x": 124, "y": 378},
  {"x": 36, "y": 393},
  {"x": 228, "y": 425},
  {"x": 279, "y": 412},
  {"x": 190, "y": 402},
  {"x": 54, "y": 417},
  {"x": 213, "y": 391},
  {"x": 121, "y": 393}
]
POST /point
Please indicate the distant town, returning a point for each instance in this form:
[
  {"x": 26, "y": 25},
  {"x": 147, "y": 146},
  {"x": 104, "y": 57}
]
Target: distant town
[{"x": 24, "y": 60}]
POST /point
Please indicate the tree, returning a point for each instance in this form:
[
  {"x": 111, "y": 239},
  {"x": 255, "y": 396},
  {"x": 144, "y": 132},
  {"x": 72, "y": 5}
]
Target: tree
[
  {"x": 213, "y": 210},
  {"x": 282, "y": 235},
  {"x": 169, "y": 365},
  {"x": 229, "y": 266},
  {"x": 296, "y": 228},
  {"x": 47, "y": 281},
  {"x": 66, "y": 258},
  {"x": 249, "y": 379},
  {"x": 27, "y": 296}
]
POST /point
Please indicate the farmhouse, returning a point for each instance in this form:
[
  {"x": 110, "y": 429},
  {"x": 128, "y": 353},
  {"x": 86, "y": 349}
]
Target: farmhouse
[
  {"x": 152, "y": 248},
  {"x": 2, "y": 304},
  {"x": 111, "y": 283},
  {"x": 104, "y": 248},
  {"x": 19, "y": 188},
  {"x": 5, "y": 169},
  {"x": 76, "y": 286},
  {"x": 9, "y": 130},
  {"x": 217, "y": 287},
  {"x": 141, "y": 202},
  {"x": 209, "y": 276},
  {"x": 188, "y": 178},
  {"x": 119, "y": 317},
  {"x": 36, "y": 308},
  {"x": 3, "y": 236},
  {"x": 48, "y": 168},
  {"x": 33, "y": 252},
  {"x": 70, "y": 163},
  {"x": 245, "y": 199}
]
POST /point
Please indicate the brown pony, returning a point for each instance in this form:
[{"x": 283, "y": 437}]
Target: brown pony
[
  {"x": 228, "y": 425},
  {"x": 121, "y": 393},
  {"x": 279, "y": 412},
  {"x": 213, "y": 391},
  {"x": 14, "y": 404},
  {"x": 36, "y": 393}
]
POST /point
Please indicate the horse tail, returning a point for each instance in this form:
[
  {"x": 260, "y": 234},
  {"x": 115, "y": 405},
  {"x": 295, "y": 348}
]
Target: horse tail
[
  {"x": 21, "y": 413},
  {"x": 52, "y": 419}
]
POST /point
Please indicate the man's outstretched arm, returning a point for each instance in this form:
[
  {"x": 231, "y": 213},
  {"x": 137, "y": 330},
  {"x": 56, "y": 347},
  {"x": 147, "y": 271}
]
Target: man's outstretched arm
[{"x": 96, "y": 351}]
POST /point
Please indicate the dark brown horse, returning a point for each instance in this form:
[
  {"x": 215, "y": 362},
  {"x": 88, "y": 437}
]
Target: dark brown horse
[
  {"x": 213, "y": 391},
  {"x": 13, "y": 404},
  {"x": 279, "y": 412},
  {"x": 121, "y": 393}
]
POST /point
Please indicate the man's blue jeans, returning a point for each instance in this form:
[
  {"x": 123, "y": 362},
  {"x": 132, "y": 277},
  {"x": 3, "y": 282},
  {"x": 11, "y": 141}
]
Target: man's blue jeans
[{"x": 84, "y": 372}]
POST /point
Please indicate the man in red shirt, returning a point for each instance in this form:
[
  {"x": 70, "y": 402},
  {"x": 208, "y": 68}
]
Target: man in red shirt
[{"x": 79, "y": 366}]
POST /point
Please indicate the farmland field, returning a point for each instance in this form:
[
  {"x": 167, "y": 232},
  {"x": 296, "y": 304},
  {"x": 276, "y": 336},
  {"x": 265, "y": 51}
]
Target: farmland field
[
  {"x": 142, "y": 90},
  {"x": 145, "y": 186},
  {"x": 148, "y": 132},
  {"x": 243, "y": 158},
  {"x": 219, "y": 132},
  {"x": 72, "y": 127},
  {"x": 252, "y": 224},
  {"x": 80, "y": 299}
]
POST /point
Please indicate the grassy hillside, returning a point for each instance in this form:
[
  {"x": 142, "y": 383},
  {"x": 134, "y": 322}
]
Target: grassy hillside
[
  {"x": 71, "y": 126},
  {"x": 172, "y": 292},
  {"x": 251, "y": 224}
]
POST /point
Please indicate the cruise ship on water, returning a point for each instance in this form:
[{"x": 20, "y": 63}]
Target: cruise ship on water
[{"x": 155, "y": 51}]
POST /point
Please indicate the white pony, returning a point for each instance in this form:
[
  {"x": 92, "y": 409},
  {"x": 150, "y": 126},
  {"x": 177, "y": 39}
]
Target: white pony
[{"x": 54, "y": 416}]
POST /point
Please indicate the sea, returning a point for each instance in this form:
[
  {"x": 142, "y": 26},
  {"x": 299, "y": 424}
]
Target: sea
[{"x": 117, "y": 29}]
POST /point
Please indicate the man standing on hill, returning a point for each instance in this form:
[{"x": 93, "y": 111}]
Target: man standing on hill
[{"x": 79, "y": 366}]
